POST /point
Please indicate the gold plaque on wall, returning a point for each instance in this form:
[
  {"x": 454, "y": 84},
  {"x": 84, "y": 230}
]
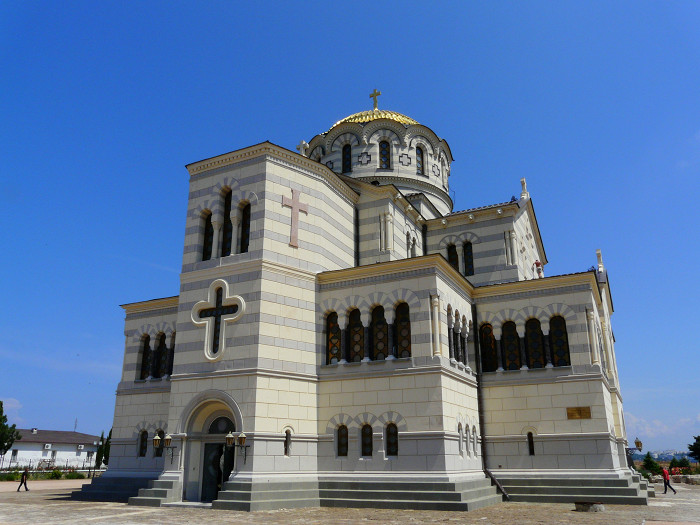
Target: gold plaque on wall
[{"x": 578, "y": 413}]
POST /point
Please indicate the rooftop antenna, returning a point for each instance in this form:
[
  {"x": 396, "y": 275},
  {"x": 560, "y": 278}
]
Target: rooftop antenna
[{"x": 75, "y": 425}]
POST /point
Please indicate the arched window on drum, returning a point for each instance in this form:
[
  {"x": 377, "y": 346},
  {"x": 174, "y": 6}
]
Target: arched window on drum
[
  {"x": 402, "y": 331},
  {"x": 332, "y": 339}
]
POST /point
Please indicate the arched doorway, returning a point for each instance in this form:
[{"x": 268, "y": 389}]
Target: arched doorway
[
  {"x": 218, "y": 459},
  {"x": 208, "y": 463}
]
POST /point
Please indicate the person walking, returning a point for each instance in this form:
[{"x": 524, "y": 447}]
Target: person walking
[
  {"x": 23, "y": 480},
  {"x": 667, "y": 480}
]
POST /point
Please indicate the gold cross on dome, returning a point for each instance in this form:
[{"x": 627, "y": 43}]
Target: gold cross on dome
[{"x": 374, "y": 95}]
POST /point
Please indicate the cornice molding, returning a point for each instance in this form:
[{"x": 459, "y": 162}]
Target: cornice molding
[
  {"x": 151, "y": 305},
  {"x": 409, "y": 182}
]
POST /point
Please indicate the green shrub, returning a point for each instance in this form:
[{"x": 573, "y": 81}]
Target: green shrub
[
  {"x": 55, "y": 474},
  {"x": 75, "y": 475},
  {"x": 10, "y": 476}
]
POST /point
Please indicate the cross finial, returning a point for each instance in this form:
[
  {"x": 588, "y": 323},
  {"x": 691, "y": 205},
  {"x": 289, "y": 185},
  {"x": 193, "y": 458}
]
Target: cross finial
[
  {"x": 374, "y": 95},
  {"x": 302, "y": 147}
]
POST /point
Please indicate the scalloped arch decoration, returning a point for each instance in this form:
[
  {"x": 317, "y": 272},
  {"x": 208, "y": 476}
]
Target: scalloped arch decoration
[
  {"x": 210, "y": 205},
  {"x": 344, "y": 133},
  {"x": 393, "y": 417},
  {"x": 458, "y": 239},
  {"x": 338, "y": 420},
  {"x": 153, "y": 330},
  {"x": 561, "y": 309},
  {"x": 391, "y": 129}
]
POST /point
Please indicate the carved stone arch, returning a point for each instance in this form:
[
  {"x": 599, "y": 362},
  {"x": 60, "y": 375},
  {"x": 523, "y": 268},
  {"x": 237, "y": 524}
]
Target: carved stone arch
[
  {"x": 241, "y": 196},
  {"x": 343, "y": 137},
  {"x": 204, "y": 398},
  {"x": 404, "y": 295},
  {"x": 395, "y": 418},
  {"x": 165, "y": 328},
  {"x": 143, "y": 425},
  {"x": 227, "y": 183},
  {"x": 561, "y": 309},
  {"x": 355, "y": 301},
  {"x": 509, "y": 314},
  {"x": 142, "y": 331},
  {"x": 378, "y": 299},
  {"x": 468, "y": 236},
  {"x": 487, "y": 318},
  {"x": 529, "y": 428},
  {"x": 445, "y": 148},
  {"x": 317, "y": 140},
  {"x": 448, "y": 239},
  {"x": 201, "y": 209},
  {"x": 366, "y": 418},
  {"x": 378, "y": 129},
  {"x": 317, "y": 153},
  {"x": 417, "y": 132},
  {"x": 535, "y": 312},
  {"x": 330, "y": 305},
  {"x": 341, "y": 419},
  {"x": 286, "y": 427}
]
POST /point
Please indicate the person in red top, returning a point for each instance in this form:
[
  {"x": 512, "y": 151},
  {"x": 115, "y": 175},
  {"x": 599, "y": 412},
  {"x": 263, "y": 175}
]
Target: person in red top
[{"x": 667, "y": 480}]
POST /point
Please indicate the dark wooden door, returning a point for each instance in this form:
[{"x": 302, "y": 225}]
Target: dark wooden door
[{"x": 212, "y": 469}]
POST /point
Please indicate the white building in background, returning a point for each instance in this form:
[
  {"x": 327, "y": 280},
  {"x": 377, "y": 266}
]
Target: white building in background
[{"x": 51, "y": 448}]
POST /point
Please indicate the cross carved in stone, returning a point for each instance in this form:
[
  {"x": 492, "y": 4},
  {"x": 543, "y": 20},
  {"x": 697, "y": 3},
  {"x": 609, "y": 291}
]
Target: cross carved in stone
[
  {"x": 303, "y": 147},
  {"x": 296, "y": 207},
  {"x": 214, "y": 314}
]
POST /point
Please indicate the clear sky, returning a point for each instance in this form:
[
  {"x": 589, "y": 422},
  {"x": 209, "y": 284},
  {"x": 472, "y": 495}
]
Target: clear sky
[{"x": 102, "y": 104}]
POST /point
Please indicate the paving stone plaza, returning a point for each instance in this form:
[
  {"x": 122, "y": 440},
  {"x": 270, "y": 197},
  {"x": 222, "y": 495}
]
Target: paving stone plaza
[{"x": 49, "y": 502}]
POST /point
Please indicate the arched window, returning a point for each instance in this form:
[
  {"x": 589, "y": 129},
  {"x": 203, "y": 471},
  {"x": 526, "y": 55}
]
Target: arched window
[
  {"x": 380, "y": 333},
  {"x": 530, "y": 444},
  {"x": 342, "y": 441},
  {"x": 143, "y": 443},
  {"x": 510, "y": 346},
  {"x": 460, "y": 434},
  {"x": 468, "y": 441},
  {"x": 392, "y": 440},
  {"x": 208, "y": 237},
  {"x": 160, "y": 356},
  {"x": 356, "y": 337},
  {"x": 474, "y": 442},
  {"x": 487, "y": 343},
  {"x": 245, "y": 228},
  {"x": 419, "y": 161},
  {"x": 366, "y": 440},
  {"x": 288, "y": 442},
  {"x": 145, "y": 357},
  {"x": 347, "y": 158},
  {"x": 221, "y": 425},
  {"x": 559, "y": 341},
  {"x": 468, "y": 258},
  {"x": 452, "y": 257},
  {"x": 402, "y": 330},
  {"x": 171, "y": 354},
  {"x": 534, "y": 344},
  {"x": 158, "y": 453},
  {"x": 384, "y": 155},
  {"x": 333, "y": 339},
  {"x": 228, "y": 226}
]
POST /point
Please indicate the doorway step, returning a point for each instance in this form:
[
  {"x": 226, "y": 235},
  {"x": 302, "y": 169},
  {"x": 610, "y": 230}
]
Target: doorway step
[
  {"x": 108, "y": 488},
  {"x": 159, "y": 492}
]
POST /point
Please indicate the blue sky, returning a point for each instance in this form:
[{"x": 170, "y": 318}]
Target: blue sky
[{"x": 102, "y": 104}]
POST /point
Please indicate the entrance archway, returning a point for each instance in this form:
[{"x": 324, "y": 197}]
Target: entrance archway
[{"x": 218, "y": 461}]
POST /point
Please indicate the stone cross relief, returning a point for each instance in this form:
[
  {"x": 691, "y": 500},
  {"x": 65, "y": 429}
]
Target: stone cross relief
[
  {"x": 296, "y": 207},
  {"x": 214, "y": 313}
]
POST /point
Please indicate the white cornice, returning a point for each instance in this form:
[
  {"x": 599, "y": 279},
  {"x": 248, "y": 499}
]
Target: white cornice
[{"x": 153, "y": 304}]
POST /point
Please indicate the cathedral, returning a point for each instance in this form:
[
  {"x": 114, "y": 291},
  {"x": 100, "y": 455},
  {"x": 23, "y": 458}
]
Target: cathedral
[{"x": 343, "y": 337}]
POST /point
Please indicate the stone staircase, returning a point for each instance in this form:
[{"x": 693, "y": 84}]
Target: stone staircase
[
  {"x": 107, "y": 488},
  {"x": 466, "y": 495},
  {"x": 157, "y": 493},
  {"x": 621, "y": 491}
]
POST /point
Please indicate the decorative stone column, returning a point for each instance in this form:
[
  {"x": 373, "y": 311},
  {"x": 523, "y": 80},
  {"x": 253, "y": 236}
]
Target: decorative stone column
[
  {"x": 215, "y": 254},
  {"x": 547, "y": 349},
  {"x": 499, "y": 356},
  {"x": 435, "y": 304},
  {"x": 590, "y": 317},
  {"x": 513, "y": 249},
  {"x": 523, "y": 351},
  {"x": 460, "y": 259},
  {"x": 366, "y": 350},
  {"x": 235, "y": 224},
  {"x": 389, "y": 318},
  {"x": 450, "y": 342}
]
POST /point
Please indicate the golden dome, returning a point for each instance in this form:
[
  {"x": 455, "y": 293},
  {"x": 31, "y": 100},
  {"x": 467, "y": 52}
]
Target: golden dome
[{"x": 375, "y": 114}]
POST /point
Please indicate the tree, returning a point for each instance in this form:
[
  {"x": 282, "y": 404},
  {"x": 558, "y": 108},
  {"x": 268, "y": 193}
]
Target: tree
[
  {"x": 651, "y": 465},
  {"x": 684, "y": 462},
  {"x": 100, "y": 451},
  {"x": 108, "y": 444},
  {"x": 8, "y": 433},
  {"x": 673, "y": 463},
  {"x": 694, "y": 449}
]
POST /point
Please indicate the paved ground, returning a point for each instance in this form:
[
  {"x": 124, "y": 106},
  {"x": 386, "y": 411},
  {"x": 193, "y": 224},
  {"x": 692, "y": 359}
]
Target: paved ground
[{"x": 47, "y": 502}]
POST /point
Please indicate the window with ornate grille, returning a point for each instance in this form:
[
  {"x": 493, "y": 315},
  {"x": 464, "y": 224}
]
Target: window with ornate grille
[
  {"x": 347, "y": 158},
  {"x": 392, "y": 440},
  {"x": 384, "y": 155},
  {"x": 402, "y": 331},
  {"x": 419, "y": 161},
  {"x": 559, "y": 341},
  {"x": 534, "y": 344},
  {"x": 510, "y": 346},
  {"x": 366, "y": 439},
  {"x": 333, "y": 339},
  {"x": 208, "y": 238},
  {"x": 342, "y": 441},
  {"x": 487, "y": 343},
  {"x": 380, "y": 334},
  {"x": 356, "y": 337}
]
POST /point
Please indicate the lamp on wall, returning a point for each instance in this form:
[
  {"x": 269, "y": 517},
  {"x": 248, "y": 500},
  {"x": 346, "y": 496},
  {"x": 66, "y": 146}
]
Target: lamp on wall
[
  {"x": 638, "y": 444},
  {"x": 238, "y": 442},
  {"x": 167, "y": 440}
]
